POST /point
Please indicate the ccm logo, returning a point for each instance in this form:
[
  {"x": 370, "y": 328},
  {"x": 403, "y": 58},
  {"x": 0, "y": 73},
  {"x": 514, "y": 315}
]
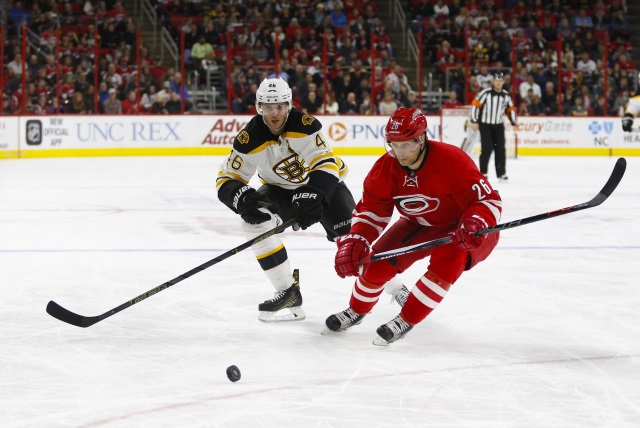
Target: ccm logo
[{"x": 305, "y": 196}]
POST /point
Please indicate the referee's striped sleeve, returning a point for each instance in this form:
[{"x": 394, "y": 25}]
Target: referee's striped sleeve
[
  {"x": 476, "y": 105},
  {"x": 511, "y": 109}
]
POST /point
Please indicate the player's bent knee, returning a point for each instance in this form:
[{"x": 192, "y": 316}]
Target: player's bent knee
[
  {"x": 379, "y": 272},
  {"x": 251, "y": 230}
]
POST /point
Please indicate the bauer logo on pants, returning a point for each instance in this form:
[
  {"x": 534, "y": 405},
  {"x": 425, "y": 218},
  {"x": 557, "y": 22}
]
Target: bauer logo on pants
[{"x": 34, "y": 132}]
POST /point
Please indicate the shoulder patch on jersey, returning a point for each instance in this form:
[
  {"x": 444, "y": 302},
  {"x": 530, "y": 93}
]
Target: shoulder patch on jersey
[
  {"x": 243, "y": 137},
  {"x": 302, "y": 123},
  {"x": 307, "y": 120},
  {"x": 254, "y": 135}
]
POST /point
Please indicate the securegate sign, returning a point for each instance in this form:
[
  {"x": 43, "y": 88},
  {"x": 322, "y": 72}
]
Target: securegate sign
[{"x": 52, "y": 136}]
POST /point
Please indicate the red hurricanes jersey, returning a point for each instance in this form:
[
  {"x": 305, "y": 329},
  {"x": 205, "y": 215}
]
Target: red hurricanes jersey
[{"x": 447, "y": 187}]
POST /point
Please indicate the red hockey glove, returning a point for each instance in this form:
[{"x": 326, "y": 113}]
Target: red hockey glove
[
  {"x": 351, "y": 249},
  {"x": 464, "y": 237}
]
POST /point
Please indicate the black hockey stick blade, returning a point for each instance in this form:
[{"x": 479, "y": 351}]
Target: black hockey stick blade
[
  {"x": 65, "y": 315},
  {"x": 611, "y": 184}
]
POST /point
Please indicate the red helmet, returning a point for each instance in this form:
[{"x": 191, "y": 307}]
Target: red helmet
[{"x": 405, "y": 124}]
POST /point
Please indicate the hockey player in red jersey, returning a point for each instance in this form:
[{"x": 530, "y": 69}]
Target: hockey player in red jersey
[{"x": 437, "y": 190}]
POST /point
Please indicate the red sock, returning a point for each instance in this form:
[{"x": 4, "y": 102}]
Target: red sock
[
  {"x": 364, "y": 296},
  {"x": 425, "y": 296}
]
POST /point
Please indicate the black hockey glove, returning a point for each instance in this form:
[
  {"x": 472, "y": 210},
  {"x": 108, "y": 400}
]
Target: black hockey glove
[
  {"x": 307, "y": 206},
  {"x": 247, "y": 201},
  {"x": 627, "y": 123}
]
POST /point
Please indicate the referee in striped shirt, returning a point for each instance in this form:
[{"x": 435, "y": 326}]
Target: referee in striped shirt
[{"x": 487, "y": 110}]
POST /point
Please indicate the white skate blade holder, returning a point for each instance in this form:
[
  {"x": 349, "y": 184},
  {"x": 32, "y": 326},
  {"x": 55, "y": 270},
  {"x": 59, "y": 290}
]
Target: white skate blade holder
[
  {"x": 283, "y": 315},
  {"x": 378, "y": 341}
]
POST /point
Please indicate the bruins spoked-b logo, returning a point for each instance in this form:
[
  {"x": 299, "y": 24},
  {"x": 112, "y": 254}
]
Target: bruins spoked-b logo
[
  {"x": 243, "y": 137},
  {"x": 34, "y": 132},
  {"x": 291, "y": 169}
]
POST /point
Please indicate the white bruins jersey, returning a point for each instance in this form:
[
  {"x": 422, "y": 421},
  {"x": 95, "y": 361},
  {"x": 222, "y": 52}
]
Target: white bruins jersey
[
  {"x": 285, "y": 161},
  {"x": 633, "y": 107}
]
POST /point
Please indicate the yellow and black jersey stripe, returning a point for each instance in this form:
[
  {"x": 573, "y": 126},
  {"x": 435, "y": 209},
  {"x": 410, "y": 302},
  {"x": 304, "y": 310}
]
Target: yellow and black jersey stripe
[{"x": 256, "y": 135}]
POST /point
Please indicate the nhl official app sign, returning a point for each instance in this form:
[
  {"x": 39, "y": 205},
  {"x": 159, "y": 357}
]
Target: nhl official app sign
[{"x": 34, "y": 132}]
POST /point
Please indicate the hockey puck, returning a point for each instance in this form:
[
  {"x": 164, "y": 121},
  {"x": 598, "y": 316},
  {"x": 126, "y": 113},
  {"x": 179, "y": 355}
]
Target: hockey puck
[{"x": 233, "y": 373}]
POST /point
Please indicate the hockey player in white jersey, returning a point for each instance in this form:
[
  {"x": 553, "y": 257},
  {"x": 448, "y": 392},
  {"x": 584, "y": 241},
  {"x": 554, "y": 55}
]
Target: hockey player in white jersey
[
  {"x": 301, "y": 179},
  {"x": 632, "y": 110}
]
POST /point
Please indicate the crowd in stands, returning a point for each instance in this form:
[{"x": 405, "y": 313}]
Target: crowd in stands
[
  {"x": 82, "y": 59},
  {"x": 558, "y": 66},
  {"x": 559, "y": 45}
]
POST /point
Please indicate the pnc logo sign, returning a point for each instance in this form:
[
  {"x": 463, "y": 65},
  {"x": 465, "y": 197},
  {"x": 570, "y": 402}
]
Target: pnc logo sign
[{"x": 337, "y": 131}]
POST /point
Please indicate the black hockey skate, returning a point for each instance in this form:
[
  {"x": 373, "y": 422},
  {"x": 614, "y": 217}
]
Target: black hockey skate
[
  {"x": 392, "y": 331},
  {"x": 342, "y": 321},
  {"x": 286, "y": 305}
]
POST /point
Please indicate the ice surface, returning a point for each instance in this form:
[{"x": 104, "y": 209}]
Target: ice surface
[{"x": 545, "y": 333}]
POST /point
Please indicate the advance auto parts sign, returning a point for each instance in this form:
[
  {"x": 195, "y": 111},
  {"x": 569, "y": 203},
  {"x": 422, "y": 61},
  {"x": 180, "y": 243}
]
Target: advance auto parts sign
[{"x": 224, "y": 129}]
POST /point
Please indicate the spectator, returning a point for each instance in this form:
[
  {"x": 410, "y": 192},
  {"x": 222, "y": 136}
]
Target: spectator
[
  {"x": 484, "y": 79},
  {"x": 349, "y": 104},
  {"x": 410, "y": 100},
  {"x": 583, "y": 20},
  {"x": 77, "y": 104},
  {"x": 536, "y": 108},
  {"x": 315, "y": 70},
  {"x": 331, "y": 107},
  {"x": 41, "y": 106},
  {"x": 598, "y": 108},
  {"x": 311, "y": 104},
  {"x": 319, "y": 14},
  {"x": 625, "y": 63},
  {"x": 240, "y": 89},
  {"x": 452, "y": 102},
  {"x": 338, "y": 18},
  {"x": 619, "y": 103},
  {"x": 109, "y": 38},
  {"x": 365, "y": 105},
  {"x": 200, "y": 49},
  {"x": 529, "y": 84},
  {"x": 259, "y": 51},
  {"x": 619, "y": 24},
  {"x": 103, "y": 92},
  {"x": 130, "y": 104},
  {"x": 158, "y": 105},
  {"x": 7, "y": 107},
  {"x": 578, "y": 109},
  {"x": 440, "y": 9},
  {"x": 387, "y": 105},
  {"x": 210, "y": 63},
  {"x": 480, "y": 53},
  {"x": 174, "y": 105},
  {"x": 586, "y": 64},
  {"x": 149, "y": 97},
  {"x": 550, "y": 99},
  {"x": 540, "y": 76},
  {"x": 548, "y": 30},
  {"x": 112, "y": 105},
  {"x": 181, "y": 89},
  {"x": 15, "y": 67},
  {"x": 112, "y": 78},
  {"x": 249, "y": 101}
]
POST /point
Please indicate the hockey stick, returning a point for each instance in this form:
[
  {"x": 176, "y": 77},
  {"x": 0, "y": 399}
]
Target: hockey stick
[
  {"x": 607, "y": 190},
  {"x": 65, "y": 315}
]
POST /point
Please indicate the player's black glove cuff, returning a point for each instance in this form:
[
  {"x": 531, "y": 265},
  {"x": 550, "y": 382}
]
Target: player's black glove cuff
[
  {"x": 627, "y": 122},
  {"x": 307, "y": 206},
  {"x": 247, "y": 201}
]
